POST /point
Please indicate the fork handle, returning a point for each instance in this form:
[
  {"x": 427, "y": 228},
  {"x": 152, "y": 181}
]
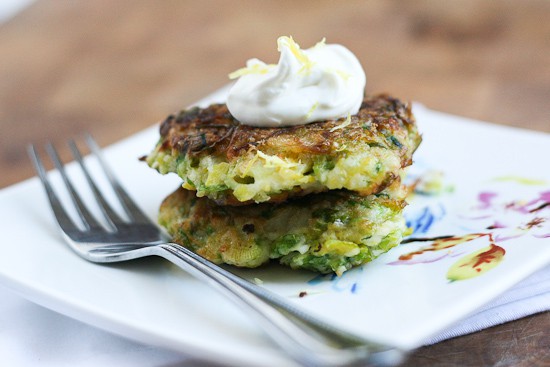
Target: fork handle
[{"x": 307, "y": 339}]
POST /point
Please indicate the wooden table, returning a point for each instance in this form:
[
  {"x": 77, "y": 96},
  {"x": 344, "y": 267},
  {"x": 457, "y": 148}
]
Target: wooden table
[{"x": 115, "y": 67}]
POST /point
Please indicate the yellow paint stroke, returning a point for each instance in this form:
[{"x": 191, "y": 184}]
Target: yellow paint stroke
[
  {"x": 521, "y": 180},
  {"x": 477, "y": 263}
]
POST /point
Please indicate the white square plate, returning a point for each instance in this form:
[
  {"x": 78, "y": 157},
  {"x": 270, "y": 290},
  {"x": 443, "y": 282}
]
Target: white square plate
[{"x": 495, "y": 201}]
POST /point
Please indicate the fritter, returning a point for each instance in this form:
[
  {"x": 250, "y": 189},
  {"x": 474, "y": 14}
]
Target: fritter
[
  {"x": 235, "y": 164},
  {"x": 326, "y": 232}
]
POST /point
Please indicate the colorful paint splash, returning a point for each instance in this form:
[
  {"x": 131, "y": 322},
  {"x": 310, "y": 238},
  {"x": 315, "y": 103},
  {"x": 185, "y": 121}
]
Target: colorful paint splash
[
  {"x": 347, "y": 282},
  {"x": 440, "y": 248},
  {"x": 510, "y": 218},
  {"x": 476, "y": 263},
  {"x": 426, "y": 190},
  {"x": 422, "y": 220},
  {"x": 521, "y": 180},
  {"x": 495, "y": 216}
]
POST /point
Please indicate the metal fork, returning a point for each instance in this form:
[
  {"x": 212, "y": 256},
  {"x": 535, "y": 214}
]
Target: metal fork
[{"x": 308, "y": 340}]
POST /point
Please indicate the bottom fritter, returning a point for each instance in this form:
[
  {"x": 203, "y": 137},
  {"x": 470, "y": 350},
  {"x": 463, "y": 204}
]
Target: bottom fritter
[{"x": 327, "y": 232}]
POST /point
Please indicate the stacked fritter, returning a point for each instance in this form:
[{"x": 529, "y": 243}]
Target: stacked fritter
[{"x": 325, "y": 196}]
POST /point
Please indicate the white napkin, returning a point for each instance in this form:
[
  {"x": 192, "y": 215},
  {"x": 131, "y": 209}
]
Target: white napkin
[
  {"x": 529, "y": 297},
  {"x": 31, "y": 335}
]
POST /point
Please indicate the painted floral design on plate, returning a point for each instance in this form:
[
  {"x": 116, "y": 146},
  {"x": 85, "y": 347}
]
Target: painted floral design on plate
[{"x": 504, "y": 208}]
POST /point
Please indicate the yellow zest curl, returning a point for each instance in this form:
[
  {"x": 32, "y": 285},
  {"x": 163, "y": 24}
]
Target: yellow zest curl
[
  {"x": 257, "y": 68},
  {"x": 296, "y": 51},
  {"x": 346, "y": 122}
]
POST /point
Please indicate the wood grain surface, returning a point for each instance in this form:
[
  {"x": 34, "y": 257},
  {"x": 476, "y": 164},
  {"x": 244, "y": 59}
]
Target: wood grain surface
[{"x": 113, "y": 68}]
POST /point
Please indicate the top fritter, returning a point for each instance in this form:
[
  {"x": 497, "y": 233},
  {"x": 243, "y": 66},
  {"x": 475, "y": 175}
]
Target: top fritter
[{"x": 236, "y": 164}]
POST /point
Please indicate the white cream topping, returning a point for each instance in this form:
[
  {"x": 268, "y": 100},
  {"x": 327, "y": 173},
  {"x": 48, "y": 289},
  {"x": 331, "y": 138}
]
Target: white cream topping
[{"x": 321, "y": 83}]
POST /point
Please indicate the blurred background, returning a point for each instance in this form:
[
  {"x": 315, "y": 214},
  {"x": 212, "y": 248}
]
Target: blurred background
[{"x": 113, "y": 68}]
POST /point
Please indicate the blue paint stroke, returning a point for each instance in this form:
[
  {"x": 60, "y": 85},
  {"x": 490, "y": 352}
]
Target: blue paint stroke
[
  {"x": 424, "y": 219},
  {"x": 347, "y": 282},
  {"x": 321, "y": 278}
]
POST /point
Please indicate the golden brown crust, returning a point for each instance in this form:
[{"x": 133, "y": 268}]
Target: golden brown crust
[
  {"x": 250, "y": 235},
  {"x": 214, "y": 131},
  {"x": 235, "y": 164}
]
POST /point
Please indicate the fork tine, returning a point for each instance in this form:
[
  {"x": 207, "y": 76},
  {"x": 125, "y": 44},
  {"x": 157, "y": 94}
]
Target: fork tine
[
  {"x": 63, "y": 219},
  {"x": 110, "y": 215},
  {"x": 128, "y": 204},
  {"x": 87, "y": 218}
]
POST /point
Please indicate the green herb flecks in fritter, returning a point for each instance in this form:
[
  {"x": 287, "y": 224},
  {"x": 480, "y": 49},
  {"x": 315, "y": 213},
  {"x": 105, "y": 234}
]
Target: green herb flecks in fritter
[
  {"x": 326, "y": 232},
  {"x": 235, "y": 164}
]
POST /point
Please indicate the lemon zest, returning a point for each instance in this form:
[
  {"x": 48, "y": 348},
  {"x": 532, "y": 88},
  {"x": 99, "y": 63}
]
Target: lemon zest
[
  {"x": 257, "y": 68},
  {"x": 298, "y": 53},
  {"x": 321, "y": 43},
  {"x": 274, "y": 161},
  {"x": 311, "y": 110},
  {"x": 346, "y": 122},
  {"x": 343, "y": 74}
]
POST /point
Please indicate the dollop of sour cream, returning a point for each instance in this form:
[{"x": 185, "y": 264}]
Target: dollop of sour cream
[{"x": 323, "y": 82}]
